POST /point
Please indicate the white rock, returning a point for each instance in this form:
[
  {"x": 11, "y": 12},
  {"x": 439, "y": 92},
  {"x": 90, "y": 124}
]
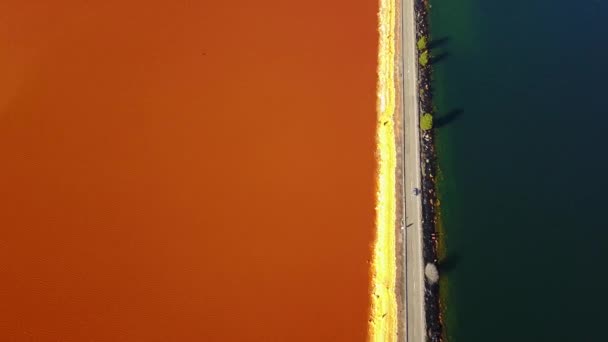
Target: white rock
[{"x": 431, "y": 273}]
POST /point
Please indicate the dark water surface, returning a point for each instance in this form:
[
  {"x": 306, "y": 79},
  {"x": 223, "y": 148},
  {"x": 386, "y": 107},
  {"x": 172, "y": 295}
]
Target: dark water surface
[
  {"x": 186, "y": 170},
  {"x": 524, "y": 166}
]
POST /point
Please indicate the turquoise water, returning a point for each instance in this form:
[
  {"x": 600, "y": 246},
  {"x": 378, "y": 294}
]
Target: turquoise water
[{"x": 521, "y": 88}]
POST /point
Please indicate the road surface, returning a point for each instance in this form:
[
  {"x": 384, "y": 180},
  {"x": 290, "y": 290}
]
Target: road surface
[{"x": 414, "y": 325}]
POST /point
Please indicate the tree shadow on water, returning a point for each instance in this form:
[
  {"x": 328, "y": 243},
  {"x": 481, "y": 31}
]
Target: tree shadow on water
[
  {"x": 439, "y": 42},
  {"x": 435, "y": 59},
  {"x": 451, "y": 116},
  {"x": 449, "y": 263}
]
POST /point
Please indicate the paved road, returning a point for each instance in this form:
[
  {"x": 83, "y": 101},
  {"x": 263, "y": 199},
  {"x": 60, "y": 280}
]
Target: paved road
[{"x": 415, "y": 326}]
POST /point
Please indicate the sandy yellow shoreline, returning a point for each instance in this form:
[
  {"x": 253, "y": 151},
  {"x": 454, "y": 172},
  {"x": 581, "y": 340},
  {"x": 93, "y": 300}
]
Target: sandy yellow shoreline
[{"x": 383, "y": 319}]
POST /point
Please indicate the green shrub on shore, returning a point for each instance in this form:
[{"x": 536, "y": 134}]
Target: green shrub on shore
[
  {"x": 426, "y": 122},
  {"x": 424, "y": 58},
  {"x": 421, "y": 44}
]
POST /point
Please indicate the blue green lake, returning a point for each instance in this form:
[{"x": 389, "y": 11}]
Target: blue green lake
[{"x": 522, "y": 125}]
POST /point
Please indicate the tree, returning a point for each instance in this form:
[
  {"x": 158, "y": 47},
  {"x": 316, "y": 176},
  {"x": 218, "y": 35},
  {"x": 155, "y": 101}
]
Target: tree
[
  {"x": 421, "y": 44},
  {"x": 424, "y": 58},
  {"x": 426, "y": 122}
]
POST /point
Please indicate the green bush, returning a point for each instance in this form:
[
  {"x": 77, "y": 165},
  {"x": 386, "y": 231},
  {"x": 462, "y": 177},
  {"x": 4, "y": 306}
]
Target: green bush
[
  {"x": 426, "y": 122},
  {"x": 424, "y": 58},
  {"x": 421, "y": 44}
]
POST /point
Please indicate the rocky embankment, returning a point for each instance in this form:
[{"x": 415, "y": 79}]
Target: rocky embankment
[{"x": 428, "y": 188}]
